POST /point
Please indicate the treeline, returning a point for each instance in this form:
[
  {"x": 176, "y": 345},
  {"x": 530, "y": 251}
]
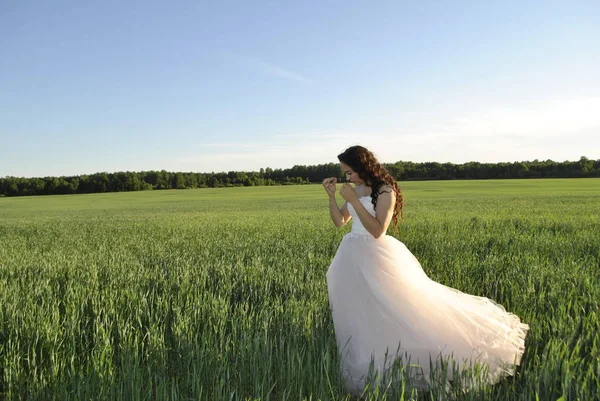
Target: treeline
[
  {"x": 144, "y": 180},
  {"x": 402, "y": 171}
]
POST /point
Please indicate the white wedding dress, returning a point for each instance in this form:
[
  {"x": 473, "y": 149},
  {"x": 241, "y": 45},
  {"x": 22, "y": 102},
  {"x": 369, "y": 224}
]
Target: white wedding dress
[{"x": 383, "y": 303}]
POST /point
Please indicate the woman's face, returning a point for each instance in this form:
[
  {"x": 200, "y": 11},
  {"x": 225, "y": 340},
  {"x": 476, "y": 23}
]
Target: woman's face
[{"x": 351, "y": 175}]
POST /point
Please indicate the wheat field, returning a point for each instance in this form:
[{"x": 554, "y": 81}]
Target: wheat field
[{"x": 220, "y": 294}]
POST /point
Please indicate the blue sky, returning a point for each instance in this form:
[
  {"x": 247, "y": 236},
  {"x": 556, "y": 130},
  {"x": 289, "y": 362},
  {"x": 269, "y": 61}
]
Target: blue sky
[{"x": 219, "y": 86}]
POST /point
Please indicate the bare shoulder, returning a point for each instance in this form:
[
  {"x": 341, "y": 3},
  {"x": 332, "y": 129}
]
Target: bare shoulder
[{"x": 386, "y": 189}]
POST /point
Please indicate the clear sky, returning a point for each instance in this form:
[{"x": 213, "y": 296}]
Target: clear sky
[{"x": 239, "y": 85}]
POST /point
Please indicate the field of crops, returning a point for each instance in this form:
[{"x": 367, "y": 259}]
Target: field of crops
[{"x": 220, "y": 294}]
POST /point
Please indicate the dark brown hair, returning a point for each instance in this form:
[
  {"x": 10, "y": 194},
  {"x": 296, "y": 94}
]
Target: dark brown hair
[{"x": 362, "y": 161}]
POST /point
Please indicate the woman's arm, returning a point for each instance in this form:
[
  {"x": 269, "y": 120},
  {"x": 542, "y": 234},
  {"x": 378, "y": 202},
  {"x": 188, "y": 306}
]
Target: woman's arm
[
  {"x": 339, "y": 216},
  {"x": 379, "y": 224}
]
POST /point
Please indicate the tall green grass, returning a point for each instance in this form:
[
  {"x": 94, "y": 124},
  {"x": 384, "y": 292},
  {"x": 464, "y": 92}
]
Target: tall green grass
[{"x": 220, "y": 294}]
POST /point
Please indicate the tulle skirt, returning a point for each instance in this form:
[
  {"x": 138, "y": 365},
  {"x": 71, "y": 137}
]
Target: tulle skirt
[{"x": 385, "y": 308}]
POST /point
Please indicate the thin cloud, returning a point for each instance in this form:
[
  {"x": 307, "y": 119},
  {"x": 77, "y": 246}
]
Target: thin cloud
[
  {"x": 273, "y": 70},
  {"x": 564, "y": 117},
  {"x": 561, "y": 129},
  {"x": 252, "y": 145}
]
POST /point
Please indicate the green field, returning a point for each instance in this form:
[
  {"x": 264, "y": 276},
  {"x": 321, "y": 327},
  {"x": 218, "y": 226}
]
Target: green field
[{"x": 220, "y": 294}]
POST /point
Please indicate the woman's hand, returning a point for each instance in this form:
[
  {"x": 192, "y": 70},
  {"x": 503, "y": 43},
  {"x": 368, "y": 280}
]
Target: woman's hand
[
  {"x": 329, "y": 185},
  {"x": 348, "y": 193}
]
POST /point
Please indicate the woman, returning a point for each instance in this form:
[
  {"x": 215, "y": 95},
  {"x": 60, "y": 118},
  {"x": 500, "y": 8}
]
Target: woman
[{"x": 384, "y": 306}]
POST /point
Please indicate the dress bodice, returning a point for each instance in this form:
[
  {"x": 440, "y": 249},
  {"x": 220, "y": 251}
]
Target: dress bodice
[{"x": 357, "y": 226}]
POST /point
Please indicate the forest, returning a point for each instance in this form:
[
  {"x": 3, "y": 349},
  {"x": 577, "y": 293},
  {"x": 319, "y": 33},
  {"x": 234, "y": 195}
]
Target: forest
[{"x": 299, "y": 174}]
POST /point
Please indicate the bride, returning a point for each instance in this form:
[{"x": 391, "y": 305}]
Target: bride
[{"x": 385, "y": 309}]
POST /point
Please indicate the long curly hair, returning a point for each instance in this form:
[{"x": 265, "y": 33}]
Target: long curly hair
[{"x": 361, "y": 160}]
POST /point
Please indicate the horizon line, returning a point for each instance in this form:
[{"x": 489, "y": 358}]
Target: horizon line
[{"x": 288, "y": 168}]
